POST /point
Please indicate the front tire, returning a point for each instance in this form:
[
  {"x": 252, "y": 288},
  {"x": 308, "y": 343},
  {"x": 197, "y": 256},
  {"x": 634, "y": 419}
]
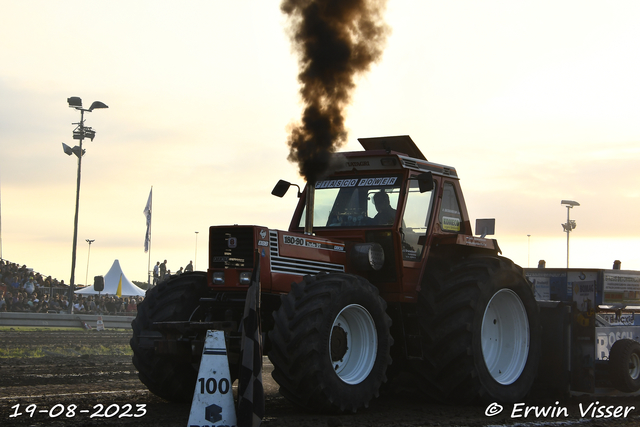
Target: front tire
[
  {"x": 624, "y": 365},
  {"x": 171, "y": 377},
  {"x": 331, "y": 343},
  {"x": 481, "y": 330}
]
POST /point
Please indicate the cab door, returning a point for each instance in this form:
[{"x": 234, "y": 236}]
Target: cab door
[{"x": 413, "y": 234}]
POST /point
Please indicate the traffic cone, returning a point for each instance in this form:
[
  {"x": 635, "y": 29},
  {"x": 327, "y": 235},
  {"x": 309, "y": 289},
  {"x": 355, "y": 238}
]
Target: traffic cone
[{"x": 213, "y": 395}]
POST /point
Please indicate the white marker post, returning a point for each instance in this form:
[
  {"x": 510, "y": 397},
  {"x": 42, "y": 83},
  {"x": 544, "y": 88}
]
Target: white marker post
[
  {"x": 100, "y": 324},
  {"x": 213, "y": 396}
]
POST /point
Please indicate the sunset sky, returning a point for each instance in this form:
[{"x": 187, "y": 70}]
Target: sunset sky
[{"x": 533, "y": 102}]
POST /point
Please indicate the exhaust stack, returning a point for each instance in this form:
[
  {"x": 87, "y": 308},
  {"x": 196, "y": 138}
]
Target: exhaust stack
[{"x": 308, "y": 222}]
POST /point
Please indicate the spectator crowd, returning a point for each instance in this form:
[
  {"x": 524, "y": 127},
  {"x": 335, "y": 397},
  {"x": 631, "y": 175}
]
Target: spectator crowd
[{"x": 23, "y": 290}]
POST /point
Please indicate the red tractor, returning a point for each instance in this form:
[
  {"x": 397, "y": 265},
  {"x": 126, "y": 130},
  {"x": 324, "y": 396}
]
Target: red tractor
[{"x": 379, "y": 264}]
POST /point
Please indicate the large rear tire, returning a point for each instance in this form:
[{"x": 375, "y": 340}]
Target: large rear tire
[
  {"x": 624, "y": 365},
  {"x": 481, "y": 326},
  {"x": 171, "y": 377},
  {"x": 331, "y": 343}
]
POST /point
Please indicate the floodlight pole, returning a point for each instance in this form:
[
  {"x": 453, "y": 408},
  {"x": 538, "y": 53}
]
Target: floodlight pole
[
  {"x": 568, "y": 230},
  {"x": 569, "y": 226},
  {"x": 78, "y": 133},
  {"x": 75, "y": 219}
]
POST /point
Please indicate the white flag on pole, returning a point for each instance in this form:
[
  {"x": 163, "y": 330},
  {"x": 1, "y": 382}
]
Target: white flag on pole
[{"x": 147, "y": 213}]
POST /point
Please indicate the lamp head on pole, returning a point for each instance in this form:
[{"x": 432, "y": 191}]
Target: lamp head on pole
[
  {"x": 89, "y": 133},
  {"x": 67, "y": 150},
  {"x": 570, "y": 225},
  {"x": 97, "y": 104},
  {"x": 75, "y": 150},
  {"x": 75, "y": 102}
]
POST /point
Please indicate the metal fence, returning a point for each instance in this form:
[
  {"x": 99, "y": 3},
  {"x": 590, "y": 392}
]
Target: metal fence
[{"x": 53, "y": 320}]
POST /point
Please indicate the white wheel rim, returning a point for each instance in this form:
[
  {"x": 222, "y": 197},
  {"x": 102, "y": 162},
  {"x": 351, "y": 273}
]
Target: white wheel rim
[
  {"x": 361, "y": 344},
  {"x": 634, "y": 366},
  {"x": 505, "y": 336}
]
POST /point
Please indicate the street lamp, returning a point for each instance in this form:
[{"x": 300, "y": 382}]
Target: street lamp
[
  {"x": 570, "y": 224},
  {"x": 528, "y": 250},
  {"x": 195, "y": 259},
  {"x": 89, "y": 241},
  {"x": 80, "y": 133}
]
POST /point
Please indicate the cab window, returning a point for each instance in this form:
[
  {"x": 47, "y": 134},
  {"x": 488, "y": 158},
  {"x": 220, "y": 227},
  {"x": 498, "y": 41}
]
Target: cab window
[
  {"x": 449, "y": 217},
  {"x": 355, "y": 202},
  {"x": 415, "y": 221}
]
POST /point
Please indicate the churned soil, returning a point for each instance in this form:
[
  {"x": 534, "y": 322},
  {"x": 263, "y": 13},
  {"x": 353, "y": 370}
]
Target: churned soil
[{"x": 61, "y": 379}]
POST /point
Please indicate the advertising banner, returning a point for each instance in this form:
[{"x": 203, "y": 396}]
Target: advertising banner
[{"x": 621, "y": 287}]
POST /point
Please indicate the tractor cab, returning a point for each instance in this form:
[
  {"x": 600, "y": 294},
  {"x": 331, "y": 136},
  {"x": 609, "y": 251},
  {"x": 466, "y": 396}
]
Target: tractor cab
[{"x": 389, "y": 195}]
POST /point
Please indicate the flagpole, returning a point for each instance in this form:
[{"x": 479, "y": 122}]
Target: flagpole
[
  {"x": 149, "y": 261},
  {"x": 148, "y": 237},
  {"x": 1, "y": 221}
]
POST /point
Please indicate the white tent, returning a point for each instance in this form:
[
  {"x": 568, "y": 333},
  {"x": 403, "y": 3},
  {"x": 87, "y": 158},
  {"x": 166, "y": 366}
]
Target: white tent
[{"x": 113, "y": 280}]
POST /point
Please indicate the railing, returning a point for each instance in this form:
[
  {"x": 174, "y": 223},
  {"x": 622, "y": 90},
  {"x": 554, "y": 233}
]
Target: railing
[{"x": 54, "y": 320}]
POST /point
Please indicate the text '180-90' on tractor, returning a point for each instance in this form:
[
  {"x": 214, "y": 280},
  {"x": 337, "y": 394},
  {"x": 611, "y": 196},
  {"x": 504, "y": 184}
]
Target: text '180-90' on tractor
[{"x": 379, "y": 271}]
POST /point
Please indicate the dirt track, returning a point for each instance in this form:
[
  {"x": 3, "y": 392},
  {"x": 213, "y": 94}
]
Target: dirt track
[{"x": 66, "y": 375}]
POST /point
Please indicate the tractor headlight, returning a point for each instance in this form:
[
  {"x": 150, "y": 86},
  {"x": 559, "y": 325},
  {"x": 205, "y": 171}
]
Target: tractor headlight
[
  {"x": 367, "y": 256},
  {"x": 218, "y": 278},
  {"x": 245, "y": 278}
]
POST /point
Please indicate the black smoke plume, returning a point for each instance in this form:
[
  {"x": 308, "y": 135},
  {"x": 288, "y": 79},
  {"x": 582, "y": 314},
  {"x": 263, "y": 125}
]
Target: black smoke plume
[{"x": 336, "y": 40}]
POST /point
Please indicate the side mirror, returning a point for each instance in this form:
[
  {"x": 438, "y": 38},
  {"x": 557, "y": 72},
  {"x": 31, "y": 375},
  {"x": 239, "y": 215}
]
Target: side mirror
[
  {"x": 281, "y": 188},
  {"x": 425, "y": 182},
  {"x": 485, "y": 227}
]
